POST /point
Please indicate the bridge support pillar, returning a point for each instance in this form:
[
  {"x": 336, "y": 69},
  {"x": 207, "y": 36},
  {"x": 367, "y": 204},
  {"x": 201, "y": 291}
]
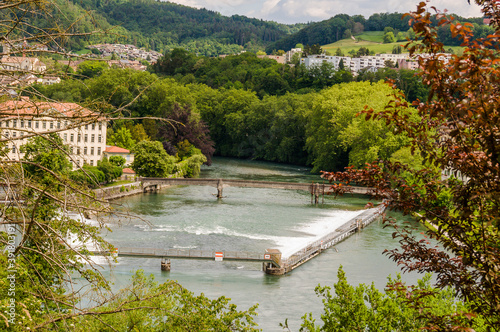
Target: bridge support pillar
[
  {"x": 165, "y": 264},
  {"x": 219, "y": 188},
  {"x": 315, "y": 193},
  {"x": 276, "y": 269},
  {"x": 269, "y": 268}
]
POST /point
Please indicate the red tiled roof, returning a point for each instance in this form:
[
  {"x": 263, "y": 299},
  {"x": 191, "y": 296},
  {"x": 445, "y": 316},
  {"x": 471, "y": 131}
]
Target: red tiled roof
[
  {"x": 23, "y": 108},
  {"x": 128, "y": 171},
  {"x": 116, "y": 149}
]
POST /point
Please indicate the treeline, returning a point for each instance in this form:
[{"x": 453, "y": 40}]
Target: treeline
[
  {"x": 161, "y": 25},
  {"x": 318, "y": 128},
  {"x": 343, "y": 26},
  {"x": 267, "y": 77}
]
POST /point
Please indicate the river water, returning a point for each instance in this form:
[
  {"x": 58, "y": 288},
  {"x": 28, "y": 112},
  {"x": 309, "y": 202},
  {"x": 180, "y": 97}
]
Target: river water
[{"x": 249, "y": 219}]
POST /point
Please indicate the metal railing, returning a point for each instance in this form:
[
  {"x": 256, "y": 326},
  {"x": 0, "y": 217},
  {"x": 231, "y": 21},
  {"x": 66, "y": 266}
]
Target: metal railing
[{"x": 336, "y": 236}]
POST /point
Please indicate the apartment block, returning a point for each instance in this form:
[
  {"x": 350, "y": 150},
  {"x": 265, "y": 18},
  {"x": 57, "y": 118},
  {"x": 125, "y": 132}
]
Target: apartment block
[{"x": 82, "y": 130}]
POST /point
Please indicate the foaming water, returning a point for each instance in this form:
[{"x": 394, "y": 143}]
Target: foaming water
[{"x": 316, "y": 229}]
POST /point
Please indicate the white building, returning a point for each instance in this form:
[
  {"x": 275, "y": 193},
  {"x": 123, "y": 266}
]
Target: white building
[
  {"x": 369, "y": 61},
  {"x": 83, "y": 130},
  {"x": 28, "y": 64},
  {"x": 117, "y": 151},
  {"x": 289, "y": 54}
]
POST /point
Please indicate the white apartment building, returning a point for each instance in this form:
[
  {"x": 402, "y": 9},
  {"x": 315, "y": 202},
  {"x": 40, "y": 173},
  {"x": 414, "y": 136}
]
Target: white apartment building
[
  {"x": 83, "y": 130},
  {"x": 369, "y": 61}
]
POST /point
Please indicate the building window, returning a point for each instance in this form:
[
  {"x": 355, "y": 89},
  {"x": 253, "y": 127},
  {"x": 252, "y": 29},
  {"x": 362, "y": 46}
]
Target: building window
[
  {"x": 65, "y": 124},
  {"x": 85, "y": 150},
  {"x": 14, "y": 134},
  {"x": 99, "y": 151},
  {"x": 51, "y": 124},
  {"x": 72, "y": 137},
  {"x": 58, "y": 124},
  {"x": 14, "y": 123},
  {"x": 86, "y": 127},
  {"x": 79, "y": 138},
  {"x": 92, "y": 138},
  {"x": 93, "y": 126},
  {"x": 91, "y": 163},
  {"x": 22, "y": 124},
  {"x": 44, "y": 124},
  {"x": 99, "y": 138},
  {"x": 13, "y": 149},
  {"x": 29, "y": 123},
  {"x": 92, "y": 151},
  {"x": 77, "y": 150},
  {"x": 65, "y": 137},
  {"x": 86, "y": 138},
  {"x": 36, "y": 124},
  {"x": 100, "y": 126}
]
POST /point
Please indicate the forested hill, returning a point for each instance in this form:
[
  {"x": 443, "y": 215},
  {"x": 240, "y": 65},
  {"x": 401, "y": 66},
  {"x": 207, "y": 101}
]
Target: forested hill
[
  {"x": 164, "y": 24},
  {"x": 343, "y": 26}
]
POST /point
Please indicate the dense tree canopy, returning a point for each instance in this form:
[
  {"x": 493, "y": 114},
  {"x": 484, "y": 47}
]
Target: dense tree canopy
[
  {"x": 456, "y": 133},
  {"x": 151, "y": 160}
]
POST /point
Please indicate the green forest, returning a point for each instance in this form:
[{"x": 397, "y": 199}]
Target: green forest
[
  {"x": 163, "y": 26},
  {"x": 246, "y": 107}
]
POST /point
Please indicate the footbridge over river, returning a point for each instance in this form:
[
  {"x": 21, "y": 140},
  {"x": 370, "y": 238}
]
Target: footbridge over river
[{"x": 315, "y": 189}]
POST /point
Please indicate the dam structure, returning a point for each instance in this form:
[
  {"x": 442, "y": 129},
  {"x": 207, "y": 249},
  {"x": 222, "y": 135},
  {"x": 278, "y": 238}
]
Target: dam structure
[{"x": 272, "y": 260}]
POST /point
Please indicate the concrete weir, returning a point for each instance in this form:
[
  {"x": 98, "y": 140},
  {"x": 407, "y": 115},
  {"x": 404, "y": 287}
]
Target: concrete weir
[
  {"x": 272, "y": 261},
  {"x": 311, "y": 250}
]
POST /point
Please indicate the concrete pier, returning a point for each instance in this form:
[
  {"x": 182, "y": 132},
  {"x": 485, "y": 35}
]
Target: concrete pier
[{"x": 165, "y": 264}]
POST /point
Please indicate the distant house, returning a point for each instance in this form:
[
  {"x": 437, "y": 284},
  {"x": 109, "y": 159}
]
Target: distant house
[
  {"x": 128, "y": 174},
  {"x": 49, "y": 80},
  {"x": 13, "y": 63},
  {"x": 117, "y": 151}
]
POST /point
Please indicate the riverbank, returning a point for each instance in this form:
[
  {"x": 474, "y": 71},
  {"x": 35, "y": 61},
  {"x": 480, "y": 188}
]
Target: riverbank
[{"x": 120, "y": 191}]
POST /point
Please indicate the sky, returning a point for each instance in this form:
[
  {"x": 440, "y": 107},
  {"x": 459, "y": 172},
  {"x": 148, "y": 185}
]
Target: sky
[{"x": 300, "y": 11}]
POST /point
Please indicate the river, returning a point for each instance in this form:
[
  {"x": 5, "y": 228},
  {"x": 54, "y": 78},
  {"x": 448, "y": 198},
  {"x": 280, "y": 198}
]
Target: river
[{"x": 249, "y": 219}]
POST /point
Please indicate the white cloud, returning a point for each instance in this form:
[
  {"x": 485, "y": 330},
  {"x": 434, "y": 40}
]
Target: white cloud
[{"x": 294, "y": 11}]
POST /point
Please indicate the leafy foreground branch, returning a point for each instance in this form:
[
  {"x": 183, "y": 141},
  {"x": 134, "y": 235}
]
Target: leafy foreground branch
[
  {"x": 365, "y": 308},
  {"x": 457, "y": 192},
  {"x": 149, "y": 306},
  {"x": 48, "y": 275}
]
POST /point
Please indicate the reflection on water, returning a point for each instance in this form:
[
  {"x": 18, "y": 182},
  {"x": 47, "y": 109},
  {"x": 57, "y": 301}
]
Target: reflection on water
[{"x": 249, "y": 219}]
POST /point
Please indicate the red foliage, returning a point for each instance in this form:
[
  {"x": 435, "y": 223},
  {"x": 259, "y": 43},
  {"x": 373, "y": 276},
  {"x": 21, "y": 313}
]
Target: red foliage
[{"x": 456, "y": 130}]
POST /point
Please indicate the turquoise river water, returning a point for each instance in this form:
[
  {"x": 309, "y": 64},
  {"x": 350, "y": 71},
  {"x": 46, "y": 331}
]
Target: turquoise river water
[{"x": 248, "y": 219}]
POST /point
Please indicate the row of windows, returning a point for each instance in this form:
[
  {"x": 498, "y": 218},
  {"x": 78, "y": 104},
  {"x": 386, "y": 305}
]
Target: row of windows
[
  {"x": 42, "y": 124},
  {"x": 85, "y": 150},
  {"x": 78, "y": 162},
  {"x": 85, "y": 138},
  {"x": 78, "y": 150},
  {"x": 65, "y": 136}
]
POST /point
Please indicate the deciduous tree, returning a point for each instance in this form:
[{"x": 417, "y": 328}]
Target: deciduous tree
[{"x": 457, "y": 133}]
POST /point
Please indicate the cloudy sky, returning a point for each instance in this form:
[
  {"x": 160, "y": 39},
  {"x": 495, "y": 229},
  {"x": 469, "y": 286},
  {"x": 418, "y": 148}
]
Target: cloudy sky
[{"x": 302, "y": 11}]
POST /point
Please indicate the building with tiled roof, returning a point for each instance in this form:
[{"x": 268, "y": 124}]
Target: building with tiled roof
[
  {"x": 118, "y": 151},
  {"x": 83, "y": 130},
  {"x": 26, "y": 64},
  {"x": 128, "y": 174}
]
